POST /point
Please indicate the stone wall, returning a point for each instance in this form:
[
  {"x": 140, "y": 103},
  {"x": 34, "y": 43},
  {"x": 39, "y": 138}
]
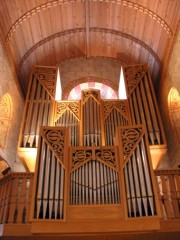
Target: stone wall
[
  {"x": 77, "y": 69},
  {"x": 169, "y": 99},
  {"x": 11, "y": 108}
]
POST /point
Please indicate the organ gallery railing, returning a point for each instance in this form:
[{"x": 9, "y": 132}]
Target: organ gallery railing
[
  {"x": 168, "y": 181},
  {"x": 15, "y": 197}
]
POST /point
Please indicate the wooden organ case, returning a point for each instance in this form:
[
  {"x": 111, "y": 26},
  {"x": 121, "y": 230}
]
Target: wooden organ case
[{"x": 93, "y": 169}]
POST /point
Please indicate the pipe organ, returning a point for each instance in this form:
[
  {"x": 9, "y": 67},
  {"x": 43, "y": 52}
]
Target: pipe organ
[{"x": 92, "y": 152}]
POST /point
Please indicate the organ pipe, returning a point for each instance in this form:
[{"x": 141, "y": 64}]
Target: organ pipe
[
  {"x": 94, "y": 183},
  {"x": 93, "y": 178},
  {"x": 38, "y": 112},
  {"x": 49, "y": 196},
  {"x": 139, "y": 191},
  {"x": 143, "y": 108},
  {"x": 91, "y": 121}
]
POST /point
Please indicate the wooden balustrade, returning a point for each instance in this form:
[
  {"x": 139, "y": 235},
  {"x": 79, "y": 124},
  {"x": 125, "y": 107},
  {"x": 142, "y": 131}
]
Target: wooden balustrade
[
  {"x": 168, "y": 181},
  {"x": 15, "y": 198},
  {"x": 16, "y": 191}
]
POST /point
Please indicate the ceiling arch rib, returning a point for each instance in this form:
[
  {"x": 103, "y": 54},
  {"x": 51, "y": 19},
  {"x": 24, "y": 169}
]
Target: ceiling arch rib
[
  {"x": 81, "y": 52},
  {"x": 131, "y": 5}
]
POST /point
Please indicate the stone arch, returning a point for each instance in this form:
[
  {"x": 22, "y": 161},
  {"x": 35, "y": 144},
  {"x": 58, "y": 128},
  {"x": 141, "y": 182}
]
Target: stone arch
[{"x": 88, "y": 79}]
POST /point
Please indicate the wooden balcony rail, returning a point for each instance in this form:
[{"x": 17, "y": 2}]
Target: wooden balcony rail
[
  {"x": 15, "y": 198},
  {"x": 16, "y": 190},
  {"x": 168, "y": 181}
]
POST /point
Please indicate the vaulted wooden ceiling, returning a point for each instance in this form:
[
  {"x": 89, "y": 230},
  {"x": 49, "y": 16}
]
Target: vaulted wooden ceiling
[{"x": 46, "y": 32}]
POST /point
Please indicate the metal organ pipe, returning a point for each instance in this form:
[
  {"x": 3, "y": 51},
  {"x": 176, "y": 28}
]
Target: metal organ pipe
[
  {"x": 91, "y": 122},
  {"x": 35, "y": 114},
  {"x": 38, "y": 113},
  {"x": 112, "y": 121},
  {"x": 67, "y": 119},
  {"x": 50, "y": 185},
  {"x": 94, "y": 183},
  {"x": 143, "y": 110},
  {"x": 29, "y": 112},
  {"x": 139, "y": 191}
]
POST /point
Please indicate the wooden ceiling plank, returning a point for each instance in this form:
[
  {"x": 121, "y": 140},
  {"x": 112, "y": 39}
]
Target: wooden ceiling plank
[
  {"x": 56, "y": 24},
  {"x": 41, "y": 2},
  {"x": 79, "y": 45},
  {"x": 162, "y": 8},
  {"x": 151, "y": 61},
  {"x": 56, "y": 27},
  {"x": 127, "y": 13},
  {"x": 80, "y": 14},
  {"x": 59, "y": 48},
  {"x": 115, "y": 13},
  {"x": 144, "y": 54},
  {"x": 70, "y": 22},
  {"x": 94, "y": 43},
  {"x": 87, "y": 17},
  {"x": 21, "y": 7},
  {"x": 26, "y": 33},
  {"x": 135, "y": 53},
  {"x": 120, "y": 47},
  {"x": 50, "y": 47},
  {"x": 106, "y": 17},
  {"x": 114, "y": 45},
  {"x": 92, "y": 14},
  {"x": 5, "y": 22},
  {"x": 156, "y": 71},
  {"x": 99, "y": 11},
  {"x": 121, "y": 17},
  {"x": 64, "y": 18},
  {"x": 11, "y": 10},
  {"x": 173, "y": 7},
  {"x": 133, "y": 23},
  {"x": 44, "y": 23}
]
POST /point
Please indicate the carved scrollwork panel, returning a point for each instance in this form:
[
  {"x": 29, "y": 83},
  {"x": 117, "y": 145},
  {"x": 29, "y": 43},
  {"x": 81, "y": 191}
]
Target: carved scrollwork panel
[
  {"x": 80, "y": 156},
  {"x": 133, "y": 75},
  {"x": 120, "y": 105},
  {"x": 130, "y": 139},
  {"x": 107, "y": 156},
  {"x": 91, "y": 93},
  {"x": 56, "y": 141},
  {"x": 47, "y": 77},
  {"x": 61, "y": 107}
]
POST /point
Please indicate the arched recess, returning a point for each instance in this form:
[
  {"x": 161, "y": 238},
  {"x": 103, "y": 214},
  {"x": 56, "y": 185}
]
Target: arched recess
[
  {"x": 108, "y": 89},
  {"x": 174, "y": 110},
  {"x": 5, "y": 118}
]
